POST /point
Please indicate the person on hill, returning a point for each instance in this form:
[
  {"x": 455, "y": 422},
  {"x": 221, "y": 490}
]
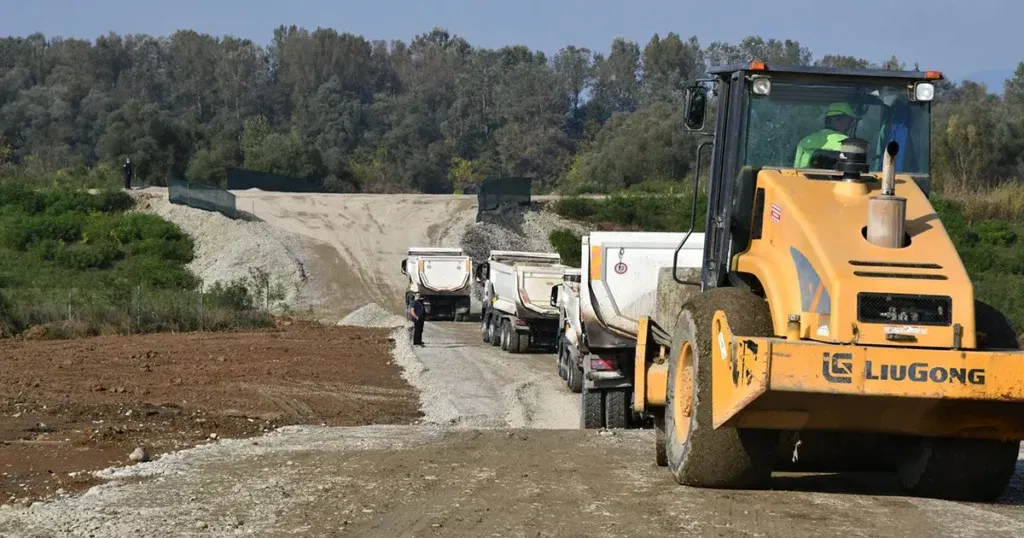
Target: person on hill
[{"x": 128, "y": 170}]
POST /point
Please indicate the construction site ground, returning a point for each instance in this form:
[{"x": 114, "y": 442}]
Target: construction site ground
[
  {"x": 84, "y": 405},
  {"x": 352, "y": 431}
]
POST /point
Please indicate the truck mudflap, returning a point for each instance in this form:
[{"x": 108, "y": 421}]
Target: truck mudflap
[{"x": 778, "y": 383}]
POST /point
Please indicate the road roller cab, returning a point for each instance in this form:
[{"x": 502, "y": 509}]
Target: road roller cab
[{"x": 834, "y": 309}]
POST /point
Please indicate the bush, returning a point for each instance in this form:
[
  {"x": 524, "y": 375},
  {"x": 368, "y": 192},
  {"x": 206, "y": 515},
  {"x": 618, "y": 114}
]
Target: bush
[
  {"x": 75, "y": 263},
  {"x": 567, "y": 244},
  {"x": 576, "y": 208},
  {"x": 84, "y": 257},
  {"x": 632, "y": 210}
]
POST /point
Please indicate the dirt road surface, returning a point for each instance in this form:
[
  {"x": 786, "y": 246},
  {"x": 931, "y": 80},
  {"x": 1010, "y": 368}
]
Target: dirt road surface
[{"x": 467, "y": 383}]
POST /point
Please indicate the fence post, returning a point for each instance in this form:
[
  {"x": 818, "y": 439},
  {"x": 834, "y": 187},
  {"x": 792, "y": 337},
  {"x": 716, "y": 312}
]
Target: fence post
[
  {"x": 201, "y": 325},
  {"x": 138, "y": 308}
]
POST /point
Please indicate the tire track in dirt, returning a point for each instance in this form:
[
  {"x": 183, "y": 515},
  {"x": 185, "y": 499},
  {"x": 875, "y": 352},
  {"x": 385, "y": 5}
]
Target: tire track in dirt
[{"x": 488, "y": 387}]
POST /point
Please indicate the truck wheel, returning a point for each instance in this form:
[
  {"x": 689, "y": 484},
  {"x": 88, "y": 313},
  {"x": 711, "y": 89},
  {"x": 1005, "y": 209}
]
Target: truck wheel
[
  {"x": 506, "y": 328},
  {"x": 697, "y": 454},
  {"x": 659, "y": 440},
  {"x": 525, "y": 340},
  {"x": 515, "y": 340},
  {"x": 485, "y": 329},
  {"x": 592, "y": 409},
  {"x": 959, "y": 469},
  {"x": 495, "y": 331},
  {"x": 562, "y": 370},
  {"x": 616, "y": 411}
]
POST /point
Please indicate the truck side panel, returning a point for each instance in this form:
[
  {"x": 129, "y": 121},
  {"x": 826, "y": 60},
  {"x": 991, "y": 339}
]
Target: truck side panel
[{"x": 620, "y": 280}]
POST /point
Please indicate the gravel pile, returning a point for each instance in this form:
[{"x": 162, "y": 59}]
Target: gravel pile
[
  {"x": 511, "y": 228},
  {"x": 227, "y": 250},
  {"x": 515, "y": 228},
  {"x": 373, "y": 315}
]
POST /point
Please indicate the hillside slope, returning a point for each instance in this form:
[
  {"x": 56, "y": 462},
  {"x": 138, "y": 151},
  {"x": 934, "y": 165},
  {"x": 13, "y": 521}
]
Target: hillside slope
[{"x": 335, "y": 253}]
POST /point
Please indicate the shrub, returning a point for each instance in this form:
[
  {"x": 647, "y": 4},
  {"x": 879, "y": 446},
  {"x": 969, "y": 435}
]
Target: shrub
[
  {"x": 74, "y": 263},
  {"x": 567, "y": 244},
  {"x": 635, "y": 211}
]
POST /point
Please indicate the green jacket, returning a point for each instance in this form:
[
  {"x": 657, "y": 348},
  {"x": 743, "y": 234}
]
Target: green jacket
[{"x": 826, "y": 139}]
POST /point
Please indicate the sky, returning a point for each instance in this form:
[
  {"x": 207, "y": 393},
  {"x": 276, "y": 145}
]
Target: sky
[{"x": 957, "y": 37}]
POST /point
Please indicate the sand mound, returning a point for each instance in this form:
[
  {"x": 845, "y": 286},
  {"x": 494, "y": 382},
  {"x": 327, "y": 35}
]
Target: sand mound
[
  {"x": 266, "y": 259},
  {"x": 373, "y": 315},
  {"x": 517, "y": 228}
]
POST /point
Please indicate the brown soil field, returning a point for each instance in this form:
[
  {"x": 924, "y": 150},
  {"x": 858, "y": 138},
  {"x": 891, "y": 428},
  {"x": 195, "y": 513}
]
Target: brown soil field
[{"x": 83, "y": 405}]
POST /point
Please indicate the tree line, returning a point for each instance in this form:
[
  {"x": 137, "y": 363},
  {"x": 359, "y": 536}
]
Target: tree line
[{"x": 434, "y": 115}]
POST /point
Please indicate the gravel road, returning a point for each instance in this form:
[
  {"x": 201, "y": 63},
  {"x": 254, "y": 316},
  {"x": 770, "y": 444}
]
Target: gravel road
[{"x": 466, "y": 383}]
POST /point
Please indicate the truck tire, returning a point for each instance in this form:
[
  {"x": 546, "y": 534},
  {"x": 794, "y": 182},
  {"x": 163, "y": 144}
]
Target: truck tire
[
  {"x": 506, "y": 328},
  {"x": 959, "y": 469},
  {"x": 515, "y": 340},
  {"x": 495, "y": 330},
  {"x": 616, "y": 409},
  {"x": 697, "y": 454},
  {"x": 485, "y": 328},
  {"x": 591, "y": 409}
]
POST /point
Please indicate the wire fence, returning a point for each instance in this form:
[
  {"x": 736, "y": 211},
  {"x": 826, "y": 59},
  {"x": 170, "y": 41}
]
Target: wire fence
[{"x": 131, "y": 310}]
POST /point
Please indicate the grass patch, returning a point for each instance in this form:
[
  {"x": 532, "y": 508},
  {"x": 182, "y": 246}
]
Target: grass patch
[
  {"x": 1004, "y": 202},
  {"x": 635, "y": 211},
  {"x": 992, "y": 250},
  {"x": 76, "y": 263}
]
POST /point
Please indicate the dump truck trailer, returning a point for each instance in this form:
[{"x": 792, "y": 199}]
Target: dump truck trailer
[
  {"x": 620, "y": 276},
  {"x": 516, "y": 312},
  {"x": 442, "y": 278},
  {"x": 833, "y": 320}
]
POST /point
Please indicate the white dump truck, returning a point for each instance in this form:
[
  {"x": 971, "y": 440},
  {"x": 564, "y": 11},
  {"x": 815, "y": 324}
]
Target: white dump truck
[
  {"x": 442, "y": 277},
  {"x": 516, "y": 312},
  {"x": 622, "y": 277}
]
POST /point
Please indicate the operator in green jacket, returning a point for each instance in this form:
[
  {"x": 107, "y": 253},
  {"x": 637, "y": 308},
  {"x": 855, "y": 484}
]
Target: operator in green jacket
[{"x": 838, "y": 119}]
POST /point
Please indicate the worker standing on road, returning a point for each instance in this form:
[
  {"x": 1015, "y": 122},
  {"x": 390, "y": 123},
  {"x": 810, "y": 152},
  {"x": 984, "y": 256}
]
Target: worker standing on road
[{"x": 419, "y": 314}]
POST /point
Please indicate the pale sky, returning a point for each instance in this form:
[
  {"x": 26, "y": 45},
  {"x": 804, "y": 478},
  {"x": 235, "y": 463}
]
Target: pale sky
[{"x": 957, "y": 37}]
